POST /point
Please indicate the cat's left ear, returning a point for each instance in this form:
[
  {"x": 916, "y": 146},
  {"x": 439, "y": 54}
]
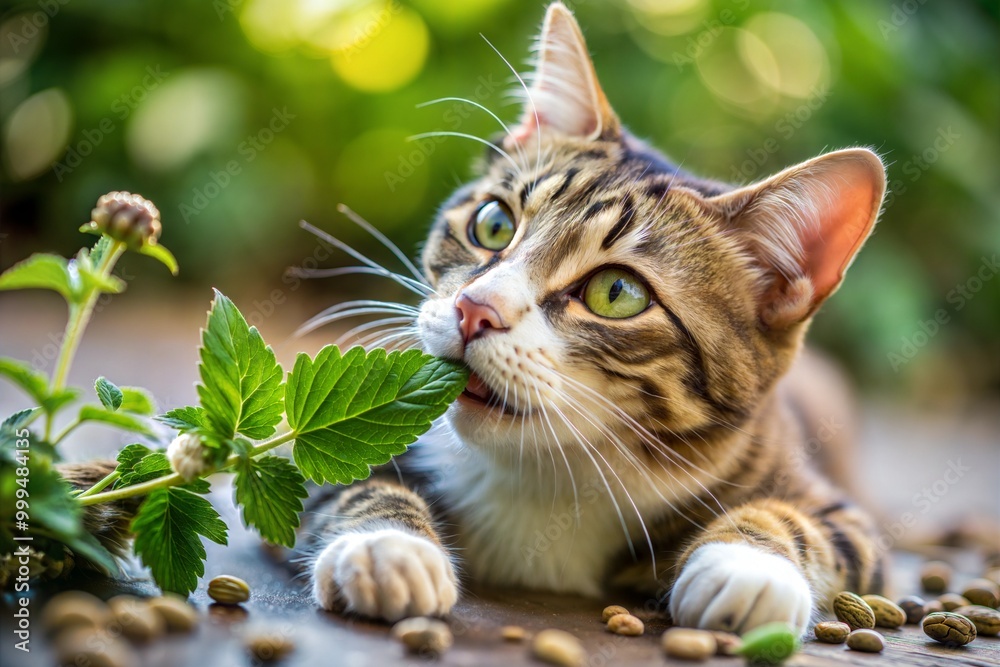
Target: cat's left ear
[
  {"x": 805, "y": 225},
  {"x": 564, "y": 96}
]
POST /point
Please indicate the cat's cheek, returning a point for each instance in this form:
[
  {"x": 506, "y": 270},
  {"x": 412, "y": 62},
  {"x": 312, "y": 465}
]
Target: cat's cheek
[{"x": 438, "y": 328}]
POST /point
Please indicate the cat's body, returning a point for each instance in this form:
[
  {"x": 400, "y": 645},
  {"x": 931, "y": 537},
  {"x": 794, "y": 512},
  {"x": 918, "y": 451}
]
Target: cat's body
[{"x": 627, "y": 423}]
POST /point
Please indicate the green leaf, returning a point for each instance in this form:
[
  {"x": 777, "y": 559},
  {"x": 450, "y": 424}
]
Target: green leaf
[
  {"x": 92, "y": 278},
  {"x": 130, "y": 456},
  {"x": 19, "y": 419},
  {"x": 185, "y": 419},
  {"x": 138, "y": 464},
  {"x": 270, "y": 489},
  {"x": 94, "y": 413},
  {"x": 102, "y": 246},
  {"x": 241, "y": 388},
  {"x": 111, "y": 396},
  {"x": 137, "y": 401},
  {"x": 354, "y": 411},
  {"x": 43, "y": 272},
  {"x": 24, "y": 376},
  {"x": 168, "y": 530},
  {"x": 161, "y": 254}
]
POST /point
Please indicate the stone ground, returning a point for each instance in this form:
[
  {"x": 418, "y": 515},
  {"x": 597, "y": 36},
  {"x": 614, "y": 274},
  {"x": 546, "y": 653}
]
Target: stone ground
[{"x": 905, "y": 455}]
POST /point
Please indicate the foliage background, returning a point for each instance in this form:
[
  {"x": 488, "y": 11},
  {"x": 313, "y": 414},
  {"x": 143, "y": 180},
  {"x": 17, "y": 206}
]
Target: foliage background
[{"x": 161, "y": 97}]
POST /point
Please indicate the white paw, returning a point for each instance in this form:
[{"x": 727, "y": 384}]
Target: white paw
[
  {"x": 388, "y": 574},
  {"x": 736, "y": 587}
]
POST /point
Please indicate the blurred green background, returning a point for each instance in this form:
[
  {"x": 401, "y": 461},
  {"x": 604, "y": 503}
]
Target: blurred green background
[{"x": 240, "y": 117}]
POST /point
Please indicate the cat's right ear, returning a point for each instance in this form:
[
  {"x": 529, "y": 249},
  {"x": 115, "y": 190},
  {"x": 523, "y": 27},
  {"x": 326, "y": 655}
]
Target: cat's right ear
[{"x": 565, "y": 96}]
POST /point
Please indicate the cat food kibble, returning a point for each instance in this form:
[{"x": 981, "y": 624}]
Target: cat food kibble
[
  {"x": 982, "y": 592},
  {"x": 986, "y": 620},
  {"x": 613, "y": 610},
  {"x": 949, "y": 629},
  {"x": 993, "y": 575},
  {"x": 84, "y": 646},
  {"x": 952, "y": 601},
  {"x": 513, "y": 633},
  {"x": 626, "y": 624},
  {"x": 134, "y": 619},
  {"x": 851, "y": 609},
  {"x": 423, "y": 636},
  {"x": 558, "y": 648},
  {"x": 74, "y": 609},
  {"x": 268, "y": 647},
  {"x": 687, "y": 644},
  {"x": 935, "y": 577},
  {"x": 226, "y": 589},
  {"x": 933, "y": 606},
  {"x": 176, "y": 613},
  {"x": 868, "y": 641},
  {"x": 769, "y": 644},
  {"x": 832, "y": 632},
  {"x": 726, "y": 643},
  {"x": 914, "y": 607},
  {"x": 887, "y": 613}
]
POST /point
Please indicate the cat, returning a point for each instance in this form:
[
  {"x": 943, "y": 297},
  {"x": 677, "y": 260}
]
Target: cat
[{"x": 640, "y": 412}]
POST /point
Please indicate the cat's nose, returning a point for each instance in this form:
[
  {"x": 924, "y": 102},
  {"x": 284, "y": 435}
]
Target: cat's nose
[{"x": 476, "y": 319}]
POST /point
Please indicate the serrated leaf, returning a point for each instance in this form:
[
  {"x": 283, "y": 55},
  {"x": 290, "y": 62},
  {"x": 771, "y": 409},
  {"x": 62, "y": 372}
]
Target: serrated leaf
[
  {"x": 137, "y": 401},
  {"x": 270, "y": 490},
  {"x": 101, "y": 247},
  {"x": 135, "y": 469},
  {"x": 354, "y": 411},
  {"x": 130, "y": 456},
  {"x": 241, "y": 388},
  {"x": 109, "y": 393},
  {"x": 91, "y": 278},
  {"x": 168, "y": 530},
  {"x": 41, "y": 271},
  {"x": 19, "y": 419},
  {"x": 162, "y": 255},
  {"x": 93, "y": 413},
  {"x": 185, "y": 419}
]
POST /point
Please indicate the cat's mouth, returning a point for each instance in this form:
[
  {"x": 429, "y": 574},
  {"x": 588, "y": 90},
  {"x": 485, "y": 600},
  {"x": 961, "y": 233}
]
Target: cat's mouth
[{"x": 478, "y": 392}]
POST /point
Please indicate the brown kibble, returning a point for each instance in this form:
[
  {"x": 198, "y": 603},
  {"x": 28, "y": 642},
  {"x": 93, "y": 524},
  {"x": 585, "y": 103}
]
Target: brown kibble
[
  {"x": 851, "y": 609},
  {"x": 74, "y": 609},
  {"x": 626, "y": 624},
  {"x": 726, "y": 643},
  {"x": 986, "y": 620},
  {"x": 613, "y": 610},
  {"x": 982, "y": 592},
  {"x": 993, "y": 574},
  {"x": 269, "y": 647},
  {"x": 513, "y": 633},
  {"x": 558, "y": 648},
  {"x": 933, "y": 606},
  {"x": 176, "y": 612},
  {"x": 84, "y": 645},
  {"x": 915, "y": 608},
  {"x": 832, "y": 632},
  {"x": 949, "y": 629},
  {"x": 226, "y": 589},
  {"x": 688, "y": 644},
  {"x": 888, "y": 614},
  {"x": 952, "y": 601},
  {"x": 135, "y": 619},
  {"x": 424, "y": 636},
  {"x": 865, "y": 640},
  {"x": 935, "y": 576}
]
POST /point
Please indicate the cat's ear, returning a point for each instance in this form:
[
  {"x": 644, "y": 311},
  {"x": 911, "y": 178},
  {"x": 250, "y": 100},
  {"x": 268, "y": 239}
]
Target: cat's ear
[
  {"x": 805, "y": 225},
  {"x": 564, "y": 96}
]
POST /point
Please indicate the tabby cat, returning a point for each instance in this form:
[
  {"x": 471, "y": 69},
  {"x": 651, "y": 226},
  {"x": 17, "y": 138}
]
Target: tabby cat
[{"x": 639, "y": 413}]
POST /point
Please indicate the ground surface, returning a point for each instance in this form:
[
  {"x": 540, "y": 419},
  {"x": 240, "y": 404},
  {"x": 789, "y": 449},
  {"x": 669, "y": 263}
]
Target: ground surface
[{"x": 905, "y": 457}]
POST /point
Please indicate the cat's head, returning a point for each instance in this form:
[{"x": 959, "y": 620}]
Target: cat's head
[{"x": 595, "y": 291}]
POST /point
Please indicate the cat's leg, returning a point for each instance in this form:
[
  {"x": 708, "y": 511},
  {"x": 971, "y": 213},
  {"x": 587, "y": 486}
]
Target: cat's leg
[
  {"x": 769, "y": 561},
  {"x": 380, "y": 556}
]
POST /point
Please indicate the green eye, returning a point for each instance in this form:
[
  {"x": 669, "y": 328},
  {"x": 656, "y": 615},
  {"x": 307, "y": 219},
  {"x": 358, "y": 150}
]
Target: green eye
[
  {"x": 492, "y": 227},
  {"x": 615, "y": 293}
]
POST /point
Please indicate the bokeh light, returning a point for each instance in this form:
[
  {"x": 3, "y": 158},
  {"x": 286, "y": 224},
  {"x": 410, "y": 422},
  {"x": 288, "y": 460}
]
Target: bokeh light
[
  {"x": 36, "y": 133},
  {"x": 784, "y": 54},
  {"x": 20, "y": 41},
  {"x": 389, "y": 50}
]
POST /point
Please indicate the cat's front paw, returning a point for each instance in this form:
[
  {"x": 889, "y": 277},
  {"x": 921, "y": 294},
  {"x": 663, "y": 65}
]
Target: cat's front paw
[
  {"x": 736, "y": 587},
  {"x": 388, "y": 574}
]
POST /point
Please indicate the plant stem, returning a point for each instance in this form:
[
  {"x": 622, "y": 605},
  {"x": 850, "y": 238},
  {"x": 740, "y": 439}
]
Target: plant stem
[
  {"x": 175, "y": 479},
  {"x": 66, "y": 431},
  {"x": 101, "y": 485},
  {"x": 79, "y": 318}
]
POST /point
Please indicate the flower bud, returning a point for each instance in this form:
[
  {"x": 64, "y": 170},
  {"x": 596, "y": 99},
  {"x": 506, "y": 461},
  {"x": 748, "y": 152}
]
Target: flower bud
[
  {"x": 128, "y": 218},
  {"x": 187, "y": 456}
]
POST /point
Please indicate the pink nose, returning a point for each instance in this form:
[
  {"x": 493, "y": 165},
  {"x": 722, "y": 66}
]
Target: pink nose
[{"x": 475, "y": 319}]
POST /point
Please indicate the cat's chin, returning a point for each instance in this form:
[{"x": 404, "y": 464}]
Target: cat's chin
[{"x": 478, "y": 396}]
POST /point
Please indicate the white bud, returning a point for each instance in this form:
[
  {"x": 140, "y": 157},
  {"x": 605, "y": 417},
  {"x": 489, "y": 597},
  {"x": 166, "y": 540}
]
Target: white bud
[{"x": 187, "y": 456}]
